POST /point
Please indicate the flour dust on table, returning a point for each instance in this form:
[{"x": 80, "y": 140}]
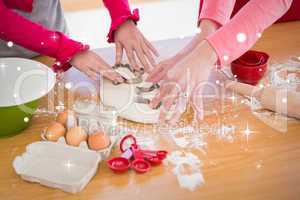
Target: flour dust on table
[{"x": 187, "y": 169}]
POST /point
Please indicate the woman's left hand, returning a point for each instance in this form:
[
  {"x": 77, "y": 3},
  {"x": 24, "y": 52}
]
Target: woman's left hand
[
  {"x": 206, "y": 27},
  {"x": 184, "y": 83}
]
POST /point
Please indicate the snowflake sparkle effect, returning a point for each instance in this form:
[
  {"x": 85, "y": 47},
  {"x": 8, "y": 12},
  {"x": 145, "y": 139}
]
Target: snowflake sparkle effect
[
  {"x": 284, "y": 100},
  {"x": 258, "y": 166},
  {"x": 54, "y": 36},
  {"x": 259, "y": 35},
  {"x": 26, "y": 119},
  {"x": 247, "y": 132},
  {"x": 233, "y": 98},
  {"x": 68, "y": 164},
  {"x": 198, "y": 30},
  {"x": 225, "y": 57},
  {"x": 68, "y": 85},
  {"x": 261, "y": 85},
  {"x": 241, "y": 37},
  {"x": 10, "y": 44}
]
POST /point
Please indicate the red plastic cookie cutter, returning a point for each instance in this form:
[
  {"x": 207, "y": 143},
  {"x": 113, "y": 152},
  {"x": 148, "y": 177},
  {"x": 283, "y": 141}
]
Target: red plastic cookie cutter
[
  {"x": 154, "y": 157},
  {"x": 143, "y": 159},
  {"x": 139, "y": 164},
  {"x": 161, "y": 154},
  {"x": 125, "y": 140},
  {"x": 121, "y": 164}
]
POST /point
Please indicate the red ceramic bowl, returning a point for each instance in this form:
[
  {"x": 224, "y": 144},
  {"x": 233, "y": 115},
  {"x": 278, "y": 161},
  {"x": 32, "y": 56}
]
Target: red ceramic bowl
[{"x": 250, "y": 67}]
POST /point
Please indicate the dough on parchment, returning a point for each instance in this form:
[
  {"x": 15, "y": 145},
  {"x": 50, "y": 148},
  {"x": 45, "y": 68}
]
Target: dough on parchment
[{"x": 122, "y": 97}]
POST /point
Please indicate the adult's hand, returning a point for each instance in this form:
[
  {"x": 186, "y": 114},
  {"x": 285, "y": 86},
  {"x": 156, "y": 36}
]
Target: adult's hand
[
  {"x": 184, "y": 83},
  {"x": 206, "y": 28}
]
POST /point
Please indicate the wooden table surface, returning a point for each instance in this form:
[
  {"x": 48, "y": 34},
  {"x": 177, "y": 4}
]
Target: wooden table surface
[{"x": 266, "y": 166}]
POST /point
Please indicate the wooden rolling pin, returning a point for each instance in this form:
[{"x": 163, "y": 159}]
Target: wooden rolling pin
[{"x": 279, "y": 100}]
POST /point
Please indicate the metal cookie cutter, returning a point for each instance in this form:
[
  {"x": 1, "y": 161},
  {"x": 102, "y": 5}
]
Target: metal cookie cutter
[
  {"x": 138, "y": 75},
  {"x": 143, "y": 100},
  {"x": 140, "y": 90},
  {"x": 136, "y": 80}
]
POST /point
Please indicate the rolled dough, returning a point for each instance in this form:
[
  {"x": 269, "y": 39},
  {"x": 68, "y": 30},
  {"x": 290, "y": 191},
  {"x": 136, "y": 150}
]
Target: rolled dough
[{"x": 123, "y": 96}]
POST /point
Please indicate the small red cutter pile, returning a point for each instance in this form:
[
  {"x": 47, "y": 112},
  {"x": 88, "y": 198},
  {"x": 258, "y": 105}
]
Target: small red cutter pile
[{"x": 135, "y": 158}]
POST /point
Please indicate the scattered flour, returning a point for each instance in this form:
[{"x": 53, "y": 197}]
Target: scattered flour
[
  {"x": 146, "y": 142},
  {"x": 226, "y": 132},
  {"x": 253, "y": 103},
  {"x": 180, "y": 141},
  {"x": 186, "y": 169},
  {"x": 189, "y": 137},
  {"x": 287, "y": 75},
  {"x": 272, "y": 119}
]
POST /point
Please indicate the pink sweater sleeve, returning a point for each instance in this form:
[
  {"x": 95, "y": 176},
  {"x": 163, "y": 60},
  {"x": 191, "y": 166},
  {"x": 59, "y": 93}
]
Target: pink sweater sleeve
[
  {"x": 35, "y": 37},
  {"x": 217, "y": 10},
  {"x": 241, "y": 33},
  {"x": 119, "y": 11}
]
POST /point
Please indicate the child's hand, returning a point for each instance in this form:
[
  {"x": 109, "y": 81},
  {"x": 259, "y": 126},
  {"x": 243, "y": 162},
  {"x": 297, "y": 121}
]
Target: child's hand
[
  {"x": 92, "y": 65},
  {"x": 128, "y": 37}
]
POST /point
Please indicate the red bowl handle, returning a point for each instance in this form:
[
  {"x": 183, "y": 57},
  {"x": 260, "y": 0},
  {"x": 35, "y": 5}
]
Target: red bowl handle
[{"x": 127, "y": 137}]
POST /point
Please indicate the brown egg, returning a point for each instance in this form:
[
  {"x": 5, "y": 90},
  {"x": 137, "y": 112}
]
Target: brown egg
[
  {"x": 66, "y": 118},
  {"x": 98, "y": 141},
  {"x": 54, "y": 131},
  {"x": 75, "y": 136}
]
